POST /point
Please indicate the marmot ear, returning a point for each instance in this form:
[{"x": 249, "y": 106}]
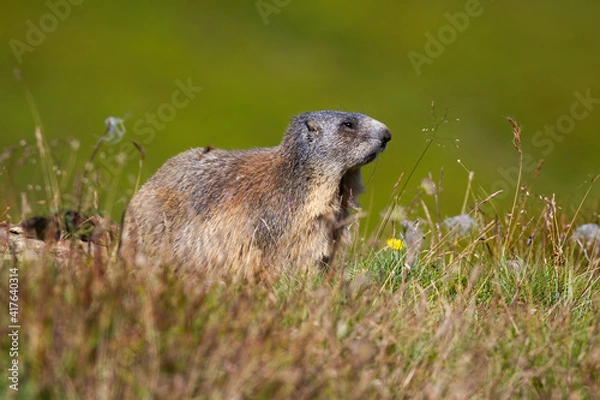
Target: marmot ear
[{"x": 312, "y": 126}]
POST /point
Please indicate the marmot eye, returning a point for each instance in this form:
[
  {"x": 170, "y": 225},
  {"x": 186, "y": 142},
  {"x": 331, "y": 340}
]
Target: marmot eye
[{"x": 348, "y": 124}]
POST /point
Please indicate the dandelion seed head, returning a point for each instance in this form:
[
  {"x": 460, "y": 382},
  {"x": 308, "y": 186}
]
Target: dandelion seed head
[
  {"x": 396, "y": 214},
  {"x": 115, "y": 129},
  {"x": 461, "y": 223},
  {"x": 428, "y": 185},
  {"x": 587, "y": 233}
]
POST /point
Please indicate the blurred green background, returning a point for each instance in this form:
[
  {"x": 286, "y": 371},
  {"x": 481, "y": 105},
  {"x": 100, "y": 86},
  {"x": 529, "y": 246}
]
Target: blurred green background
[{"x": 260, "y": 63}]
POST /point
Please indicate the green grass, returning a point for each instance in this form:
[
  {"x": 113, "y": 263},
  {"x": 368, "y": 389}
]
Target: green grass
[{"x": 508, "y": 309}]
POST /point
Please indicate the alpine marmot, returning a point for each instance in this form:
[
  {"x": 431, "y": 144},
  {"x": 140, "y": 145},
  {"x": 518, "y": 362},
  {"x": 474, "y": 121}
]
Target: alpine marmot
[{"x": 251, "y": 210}]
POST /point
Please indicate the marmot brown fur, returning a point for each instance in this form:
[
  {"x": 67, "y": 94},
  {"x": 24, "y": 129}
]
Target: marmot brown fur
[{"x": 242, "y": 211}]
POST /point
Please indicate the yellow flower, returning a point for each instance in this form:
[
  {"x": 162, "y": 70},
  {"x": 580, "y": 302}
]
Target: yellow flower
[{"x": 395, "y": 244}]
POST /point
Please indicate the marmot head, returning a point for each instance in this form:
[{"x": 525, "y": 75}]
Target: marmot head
[{"x": 336, "y": 140}]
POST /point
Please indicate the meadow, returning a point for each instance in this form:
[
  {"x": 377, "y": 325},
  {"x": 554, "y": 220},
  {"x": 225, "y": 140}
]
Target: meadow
[{"x": 490, "y": 303}]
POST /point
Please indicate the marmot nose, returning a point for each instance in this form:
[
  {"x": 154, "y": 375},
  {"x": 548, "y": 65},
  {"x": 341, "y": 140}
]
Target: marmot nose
[{"x": 386, "y": 135}]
